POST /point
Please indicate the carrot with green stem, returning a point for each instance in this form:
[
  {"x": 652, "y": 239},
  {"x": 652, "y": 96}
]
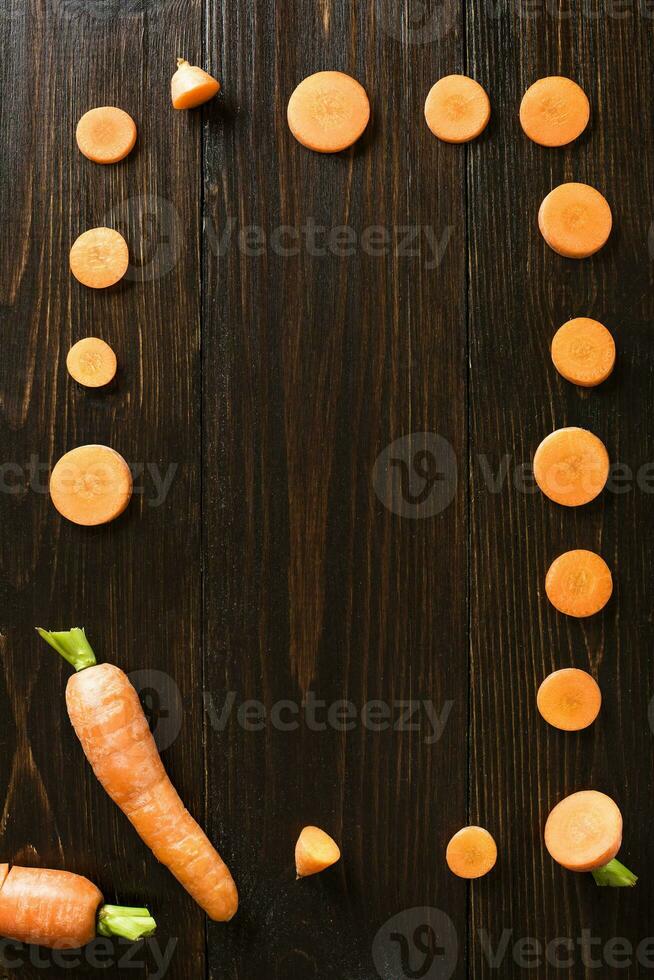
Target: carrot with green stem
[
  {"x": 584, "y": 833},
  {"x": 108, "y": 719}
]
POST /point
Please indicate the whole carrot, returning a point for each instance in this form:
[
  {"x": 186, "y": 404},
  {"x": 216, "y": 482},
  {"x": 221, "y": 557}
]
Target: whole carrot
[{"x": 109, "y": 721}]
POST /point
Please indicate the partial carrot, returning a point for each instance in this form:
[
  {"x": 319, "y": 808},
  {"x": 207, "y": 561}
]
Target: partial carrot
[
  {"x": 190, "y": 86},
  {"x": 328, "y": 111},
  {"x": 583, "y": 352},
  {"x": 584, "y": 833},
  {"x": 91, "y": 485},
  {"x": 315, "y": 850},
  {"x": 99, "y": 258},
  {"x": 579, "y": 583},
  {"x": 91, "y": 362},
  {"x": 571, "y": 466},
  {"x": 457, "y": 109},
  {"x": 575, "y": 220},
  {"x": 61, "y": 910},
  {"x": 471, "y": 853},
  {"x": 106, "y": 134},
  {"x": 569, "y": 699},
  {"x": 109, "y": 721},
  {"x": 554, "y": 111}
]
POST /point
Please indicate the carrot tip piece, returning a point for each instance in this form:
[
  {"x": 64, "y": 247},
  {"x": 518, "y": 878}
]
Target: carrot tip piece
[
  {"x": 614, "y": 875},
  {"x": 72, "y": 645}
]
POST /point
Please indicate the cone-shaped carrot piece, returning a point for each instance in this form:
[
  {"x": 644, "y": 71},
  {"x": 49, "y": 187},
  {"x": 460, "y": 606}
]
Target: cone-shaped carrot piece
[
  {"x": 583, "y": 352},
  {"x": 457, "y": 109},
  {"x": 91, "y": 485},
  {"x": 569, "y": 699},
  {"x": 91, "y": 362},
  {"x": 471, "y": 853},
  {"x": 584, "y": 833},
  {"x": 106, "y": 134},
  {"x": 328, "y": 111},
  {"x": 579, "y": 583},
  {"x": 575, "y": 220},
  {"x": 571, "y": 466},
  {"x": 99, "y": 258},
  {"x": 190, "y": 86},
  {"x": 315, "y": 850},
  {"x": 554, "y": 111}
]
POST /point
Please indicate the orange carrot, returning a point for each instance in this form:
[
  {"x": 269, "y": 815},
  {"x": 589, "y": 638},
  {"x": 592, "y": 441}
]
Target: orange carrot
[
  {"x": 575, "y": 220},
  {"x": 554, "y": 111},
  {"x": 583, "y": 352},
  {"x": 106, "y": 134},
  {"x": 571, "y": 466},
  {"x": 61, "y": 910},
  {"x": 99, "y": 258},
  {"x": 315, "y": 850},
  {"x": 584, "y": 833},
  {"x": 191, "y": 86},
  {"x": 579, "y": 583},
  {"x": 91, "y": 362},
  {"x": 471, "y": 853},
  {"x": 109, "y": 721},
  {"x": 569, "y": 699},
  {"x": 91, "y": 485},
  {"x": 328, "y": 111},
  {"x": 457, "y": 109}
]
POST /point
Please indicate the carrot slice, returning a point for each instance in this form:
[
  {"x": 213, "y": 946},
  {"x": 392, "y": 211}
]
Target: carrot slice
[
  {"x": 471, "y": 853},
  {"x": 99, "y": 258},
  {"x": 191, "y": 86},
  {"x": 457, "y": 109},
  {"x": 328, "y": 111},
  {"x": 579, "y": 583},
  {"x": 106, "y": 134},
  {"x": 575, "y": 220},
  {"x": 91, "y": 362},
  {"x": 91, "y": 485},
  {"x": 584, "y": 831},
  {"x": 315, "y": 850},
  {"x": 583, "y": 352},
  {"x": 569, "y": 699},
  {"x": 571, "y": 466},
  {"x": 554, "y": 111}
]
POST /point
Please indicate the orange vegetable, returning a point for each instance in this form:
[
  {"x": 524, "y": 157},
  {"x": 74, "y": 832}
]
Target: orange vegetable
[
  {"x": 328, "y": 111},
  {"x": 91, "y": 362},
  {"x": 554, "y": 111},
  {"x": 106, "y": 134},
  {"x": 575, "y": 220},
  {"x": 99, "y": 258},
  {"x": 315, "y": 850},
  {"x": 109, "y": 721},
  {"x": 579, "y": 583},
  {"x": 190, "y": 86},
  {"x": 583, "y": 352},
  {"x": 584, "y": 833},
  {"x": 569, "y": 699},
  {"x": 457, "y": 109},
  {"x": 91, "y": 485},
  {"x": 471, "y": 853},
  {"x": 571, "y": 466}
]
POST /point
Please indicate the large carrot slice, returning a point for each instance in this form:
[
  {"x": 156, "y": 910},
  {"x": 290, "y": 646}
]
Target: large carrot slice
[
  {"x": 315, "y": 850},
  {"x": 91, "y": 362},
  {"x": 584, "y": 833},
  {"x": 328, "y": 111},
  {"x": 99, "y": 258},
  {"x": 191, "y": 86},
  {"x": 457, "y": 109},
  {"x": 554, "y": 111},
  {"x": 106, "y": 134},
  {"x": 579, "y": 583},
  {"x": 569, "y": 699},
  {"x": 583, "y": 352},
  {"x": 571, "y": 466},
  {"x": 471, "y": 853},
  {"x": 91, "y": 485},
  {"x": 575, "y": 220}
]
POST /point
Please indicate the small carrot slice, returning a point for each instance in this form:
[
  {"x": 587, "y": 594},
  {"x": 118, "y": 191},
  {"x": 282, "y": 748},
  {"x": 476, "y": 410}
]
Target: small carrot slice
[
  {"x": 579, "y": 583},
  {"x": 91, "y": 362},
  {"x": 99, "y": 258},
  {"x": 554, "y": 111},
  {"x": 191, "y": 86},
  {"x": 569, "y": 699},
  {"x": 457, "y": 109},
  {"x": 575, "y": 220},
  {"x": 583, "y": 352},
  {"x": 471, "y": 853},
  {"x": 315, "y": 850},
  {"x": 571, "y": 466},
  {"x": 106, "y": 134},
  {"x": 328, "y": 111},
  {"x": 584, "y": 831},
  {"x": 91, "y": 485}
]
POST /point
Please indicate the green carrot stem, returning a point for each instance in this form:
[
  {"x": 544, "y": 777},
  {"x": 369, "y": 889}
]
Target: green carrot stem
[
  {"x": 72, "y": 645},
  {"x": 129, "y": 923},
  {"x": 614, "y": 875}
]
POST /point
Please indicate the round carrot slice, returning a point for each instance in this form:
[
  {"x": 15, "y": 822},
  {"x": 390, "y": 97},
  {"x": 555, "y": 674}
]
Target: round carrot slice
[
  {"x": 471, "y": 853},
  {"x": 457, "y": 109},
  {"x": 571, "y": 466},
  {"x": 579, "y": 583},
  {"x": 91, "y": 485},
  {"x": 554, "y": 111},
  {"x": 584, "y": 831},
  {"x": 190, "y": 86},
  {"x": 583, "y": 352},
  {"x": 575, "y": 220},
  {"x": 315, "y": 850},
  {"x": 99, "y": 258},
  {"x": 569, "y": 699},
  {"x": 328, "y": 111},
  {"x": 106, "y": 134},
  {"x": 91, "y": 362}
]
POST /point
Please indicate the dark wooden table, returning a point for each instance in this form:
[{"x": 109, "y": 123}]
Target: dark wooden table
[{"x": 290, "y": 575}]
